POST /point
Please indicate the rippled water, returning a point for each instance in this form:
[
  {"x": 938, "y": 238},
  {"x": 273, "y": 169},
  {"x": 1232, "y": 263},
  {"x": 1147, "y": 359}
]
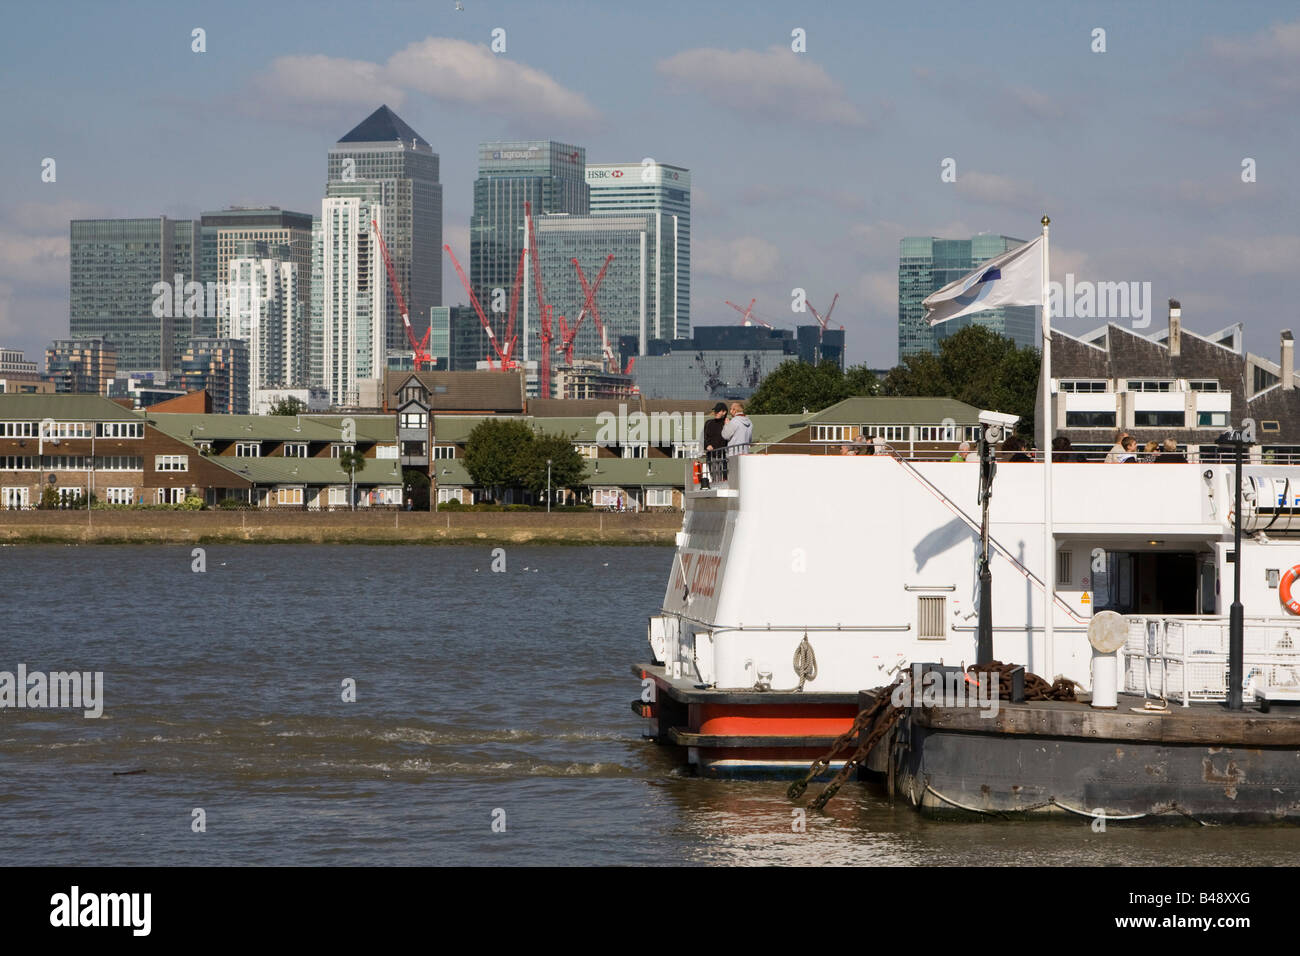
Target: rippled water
[{"x": 476, "y": 692}]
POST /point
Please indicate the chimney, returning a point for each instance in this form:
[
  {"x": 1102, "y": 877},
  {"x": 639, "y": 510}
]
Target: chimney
[
  {"x": 1288, "y": 360},
  {"x": 1175, "y": 328}
]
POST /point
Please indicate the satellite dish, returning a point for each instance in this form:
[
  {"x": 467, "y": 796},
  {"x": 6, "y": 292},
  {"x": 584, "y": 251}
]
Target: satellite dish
[
  {"x": 1107, "y": 631},
  {"x": 53, "y": 478}
]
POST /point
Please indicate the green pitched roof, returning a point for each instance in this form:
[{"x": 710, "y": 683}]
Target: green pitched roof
[
  {"x": 274, "y": 427},
  {"x": 890, "y": 410},
  {"x": 310, "y": 471},
  {"x": 64, "y": 408}
]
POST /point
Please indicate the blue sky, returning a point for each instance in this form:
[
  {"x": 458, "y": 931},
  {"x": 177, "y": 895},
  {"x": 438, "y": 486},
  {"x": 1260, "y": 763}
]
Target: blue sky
[{"x": 807, "y": 168}]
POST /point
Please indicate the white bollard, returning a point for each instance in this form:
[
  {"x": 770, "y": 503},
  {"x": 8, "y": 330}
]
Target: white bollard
[{"x": 1105, "y": 679}]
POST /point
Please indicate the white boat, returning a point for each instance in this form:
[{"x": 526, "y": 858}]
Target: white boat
[{"x": 805, "y": 577}]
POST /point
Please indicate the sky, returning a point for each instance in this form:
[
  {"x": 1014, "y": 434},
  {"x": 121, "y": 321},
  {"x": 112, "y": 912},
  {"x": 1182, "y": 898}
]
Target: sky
[{"x": 807, "y": 167}]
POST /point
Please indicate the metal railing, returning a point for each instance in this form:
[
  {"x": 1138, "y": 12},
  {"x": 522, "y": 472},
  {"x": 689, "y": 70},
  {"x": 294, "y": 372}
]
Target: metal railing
[{"x": 1185, "y": 657}]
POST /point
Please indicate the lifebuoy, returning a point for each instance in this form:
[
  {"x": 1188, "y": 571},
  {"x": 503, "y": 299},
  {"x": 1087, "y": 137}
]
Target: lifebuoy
[{"x": 1284, "y": 590}]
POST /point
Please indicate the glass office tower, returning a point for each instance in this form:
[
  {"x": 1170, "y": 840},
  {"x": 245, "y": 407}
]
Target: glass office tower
[{"x": 926, "y": 265}]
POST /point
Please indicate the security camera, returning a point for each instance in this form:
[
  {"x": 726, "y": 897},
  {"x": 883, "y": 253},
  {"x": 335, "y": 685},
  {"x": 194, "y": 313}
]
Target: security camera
[{"x": 997, "y": 425}]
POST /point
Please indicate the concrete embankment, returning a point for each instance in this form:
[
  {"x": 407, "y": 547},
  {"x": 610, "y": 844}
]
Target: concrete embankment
[{"x": 338, "y": 527}]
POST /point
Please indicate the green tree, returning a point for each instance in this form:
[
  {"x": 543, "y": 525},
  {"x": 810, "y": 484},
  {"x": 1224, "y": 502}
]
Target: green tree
[
  {"x": 567, "y": 467},
  {"x": 352, "y": 461},
  {"x": 794, "y": 386},
  {"x": 495, "y": 453},
  {"x": 975, "y": 366},
  {"x": 288, "y": 406}
]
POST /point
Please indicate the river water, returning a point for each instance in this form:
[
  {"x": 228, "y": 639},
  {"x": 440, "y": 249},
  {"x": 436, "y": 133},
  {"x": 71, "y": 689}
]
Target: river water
[{"x": 491, "y": 724}]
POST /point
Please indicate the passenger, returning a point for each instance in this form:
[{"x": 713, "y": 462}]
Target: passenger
[
  {"x": 1128, "y": 454},
  {"x": 1171, "y": 454},
  {"x": 1149, "y": 452},
  {"x": 714, "y": 446},
  {"x": 1017, "y": 449},
  {"x": 1118, "y": 450},
  {"x": 1061, "y": 450},
  {"x": 847, "y": 450},
  {"x": 739, "y": 432},
  {"x": 862, "y": 445},
  {"x": 962, "y": 453}
]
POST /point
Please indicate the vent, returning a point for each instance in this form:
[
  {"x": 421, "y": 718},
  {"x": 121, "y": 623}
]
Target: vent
[
  {"x": 1063, "y": 575},
  {"x": 930, "y": 617}
]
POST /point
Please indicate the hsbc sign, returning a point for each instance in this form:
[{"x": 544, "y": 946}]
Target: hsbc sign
[{"x": 636, "y": 175}]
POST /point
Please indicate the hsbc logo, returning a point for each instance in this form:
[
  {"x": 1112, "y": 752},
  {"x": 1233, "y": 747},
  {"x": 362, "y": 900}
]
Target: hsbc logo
[{"x": 617, "y": 173}]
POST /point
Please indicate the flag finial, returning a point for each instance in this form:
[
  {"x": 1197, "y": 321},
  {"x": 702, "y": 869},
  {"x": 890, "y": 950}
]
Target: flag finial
[{"x": 1046, "y": 221}]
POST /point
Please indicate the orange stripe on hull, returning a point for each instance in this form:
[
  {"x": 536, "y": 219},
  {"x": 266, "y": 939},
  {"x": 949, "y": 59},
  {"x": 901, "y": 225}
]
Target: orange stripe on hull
[{"x": 772, "y": 720}]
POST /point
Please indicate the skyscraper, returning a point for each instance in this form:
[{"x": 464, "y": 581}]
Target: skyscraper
[
  {"x": 127, "y": 282},
  {"x": 927, "y": 264},
  {"x": 638, "y": 294},
  {"x": 384, "y": 150},
  {"x": 265, "y": 309},
  {"x": 650, "y": 187},
  {"x": 352, "y": 282},
  {"x": 547, "y": 174},
  {"x": 223, "y": 230}
]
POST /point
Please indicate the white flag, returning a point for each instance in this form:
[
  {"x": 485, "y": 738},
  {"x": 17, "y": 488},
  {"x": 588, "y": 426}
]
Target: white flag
[{"x": 1013, "y": 278}]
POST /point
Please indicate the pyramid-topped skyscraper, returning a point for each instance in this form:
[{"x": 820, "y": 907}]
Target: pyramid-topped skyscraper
[{"x": 383, "y": 161}]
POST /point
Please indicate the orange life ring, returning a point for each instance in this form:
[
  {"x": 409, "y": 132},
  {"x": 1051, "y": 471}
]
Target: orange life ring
[{"x": 1284, "y": 590}]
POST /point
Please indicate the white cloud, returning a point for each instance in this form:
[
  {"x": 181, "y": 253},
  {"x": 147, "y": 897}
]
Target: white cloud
[
  {"x": 34, "y": 260},
  {"x": 453, "y": 72},
  {"x": 747, "y": 259},
  {"x": 1281, "y": 41},
  {"x": 878, "y": 291},
  {"x": 777, "y": 84}
]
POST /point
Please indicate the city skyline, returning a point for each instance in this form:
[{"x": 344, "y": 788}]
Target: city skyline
[{"x": 808, "y": 168}]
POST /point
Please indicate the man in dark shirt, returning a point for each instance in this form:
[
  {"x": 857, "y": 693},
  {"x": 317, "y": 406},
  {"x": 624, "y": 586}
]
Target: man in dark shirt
[
  {"x": 715, "y": 445},
  {"x": 1170, "y": 453}
]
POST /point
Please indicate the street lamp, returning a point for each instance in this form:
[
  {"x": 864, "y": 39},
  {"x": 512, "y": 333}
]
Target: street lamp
[
  {"x": 548, "y": 486},
  {"x": 1237, "y": 438},
  {"x": 995, "y": 426}
]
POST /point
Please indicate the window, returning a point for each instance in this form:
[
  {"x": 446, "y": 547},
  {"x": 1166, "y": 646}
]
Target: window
[
  {"x": 295, "y": 450},
  {"x": 1150, "y": 385},
  {"x": 887, "y": 432},
  {"x": 414, "y": 420},
  {"x": 938, "y": 432},
  {"x": 118, "y": 463},
  {"x": 64, "y": 462},
  {"x": 13, "y": 498},
  {"x": 1063, "y": 567},
  {"x": 337, "y": 450},
  {"x": 658, "y": 497},
  {"x": 248, "y": 449},
  {"x": 120, "y": 430},
  {"x": 833, "y": 432},
  {"x": 444, "y": 451},
  {"x": 1203, "y": 385},
  {"x": 171, "y": 496},
  {"x": 120, "y": 496},
  {"x": 448, "y": 494},
  {"x": 338, "y": 497},
  {"x": 602, "y": 497},
  {"x": 69, "y": 496},
  {"x": 1159, "y": 419},
  {"x": 1089, "y": 419},
  {"x": 930, "y": 617},
  {"x": 171, "y": 463},
  {"x": 289, "y": 496},
  {"x": 1270, "y": 426},
  {"x": 689, "y": 449},
  {"x": 18, "y": 429},
  {"x": 1212, "y": 419},
  {"x": 17, "y": 463},
  {"x": 1082, "y": 385}
]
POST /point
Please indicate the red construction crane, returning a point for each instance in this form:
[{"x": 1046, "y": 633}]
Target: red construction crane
[
  {"x": 748, "y": 317},
  {"x": 420, "y": 348},
  {"x": 545, "y": 334},
  {"x": 567, "y": 335},
  {"x": 507, "y": 363},
  {"x": 607, "y": 353},
  {"x": 823, "y": 320}
]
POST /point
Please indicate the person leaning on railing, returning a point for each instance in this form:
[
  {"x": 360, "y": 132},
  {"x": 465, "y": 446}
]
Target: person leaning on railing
[{"x": 715, "y": 446}]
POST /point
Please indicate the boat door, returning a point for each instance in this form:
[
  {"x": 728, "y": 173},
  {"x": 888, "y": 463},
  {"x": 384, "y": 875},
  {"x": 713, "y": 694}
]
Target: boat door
[{"x": 1207, "y": 576}]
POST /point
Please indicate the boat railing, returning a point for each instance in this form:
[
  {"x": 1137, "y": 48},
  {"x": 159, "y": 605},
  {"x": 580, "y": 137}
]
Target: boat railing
[{"x": 1185, "y": 657}]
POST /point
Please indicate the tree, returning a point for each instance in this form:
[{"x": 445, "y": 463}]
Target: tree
[
  {"x": 975, "y": 366},
  {"x": 795, "y": 386},
  {"x": 352, "y": 461},
  {"x": 495, "y": 452},
  {"x": 288, "y": 406},
  {"x": 567, "y": 466}
]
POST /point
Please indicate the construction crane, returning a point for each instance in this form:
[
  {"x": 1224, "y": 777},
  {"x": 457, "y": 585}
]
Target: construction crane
[
  {"x": 567, "y": 335},
  {"x": 823, "y": 321},
  {"x": 748, "y": 317},
  {"x": 422, "y": 358},
  {"x": 607, "y": 353},
  {"x": 545, "y": 333},
  {"x": 504, "y": 356}
]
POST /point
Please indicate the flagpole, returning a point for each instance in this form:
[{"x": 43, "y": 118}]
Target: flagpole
[{"x": 1049, "y": 541}]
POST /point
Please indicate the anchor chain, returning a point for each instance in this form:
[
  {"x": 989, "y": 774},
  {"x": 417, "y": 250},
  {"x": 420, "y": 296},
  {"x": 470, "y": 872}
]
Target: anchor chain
[{"x": 865, "y": 719}]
